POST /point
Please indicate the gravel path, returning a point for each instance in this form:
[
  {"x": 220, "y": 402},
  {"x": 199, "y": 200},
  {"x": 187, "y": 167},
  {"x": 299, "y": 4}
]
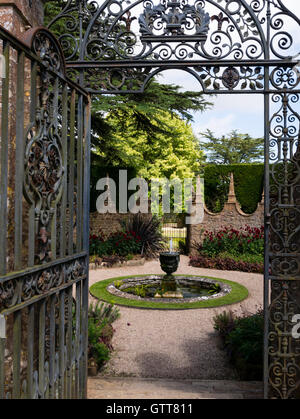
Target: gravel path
[{"x": 174, "y": 344}]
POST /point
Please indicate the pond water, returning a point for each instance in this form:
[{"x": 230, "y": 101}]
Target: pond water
[{"x": 173, "y": 289}]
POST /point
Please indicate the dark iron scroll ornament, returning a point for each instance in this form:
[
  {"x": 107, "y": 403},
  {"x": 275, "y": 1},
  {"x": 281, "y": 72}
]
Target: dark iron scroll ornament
[
  {"x": 229, "y": 46},
  {"x": 19, "y": 290},
  {"x": 284, "y": 243},
  {"x": 151, "y": 34},
  {"x": 174, "y": 19},
  {"x": 44, "y": 169},
  {"x": 44, "y": 244},
  {"x": 44, "y": 44}
]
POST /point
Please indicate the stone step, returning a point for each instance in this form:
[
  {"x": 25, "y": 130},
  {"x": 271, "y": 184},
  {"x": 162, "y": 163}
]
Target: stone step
[{"x": 147, "y": 388}]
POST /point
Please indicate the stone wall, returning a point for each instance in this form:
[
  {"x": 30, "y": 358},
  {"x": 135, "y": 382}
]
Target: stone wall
[
  {"x": 230, "y": 216},
  {"x": 106, "y": 223},
  {"x": 17, "y": 16}
]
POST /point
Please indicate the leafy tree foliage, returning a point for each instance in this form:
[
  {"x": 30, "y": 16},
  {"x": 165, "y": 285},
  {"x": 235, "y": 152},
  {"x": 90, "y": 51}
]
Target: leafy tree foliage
[
  {"x": 128, "y": 125},
  {"x": 173, "y": 152},
  {"x": 234, "y": 148}
]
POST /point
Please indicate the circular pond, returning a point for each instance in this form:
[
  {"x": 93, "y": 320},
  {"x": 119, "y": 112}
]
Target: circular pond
[{"x": 154, "y": 291}]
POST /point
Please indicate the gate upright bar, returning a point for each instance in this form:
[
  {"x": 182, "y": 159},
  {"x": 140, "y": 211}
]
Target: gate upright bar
[
  {"x": 116, "y": 47},
  {"x": 44, "y": 255}
]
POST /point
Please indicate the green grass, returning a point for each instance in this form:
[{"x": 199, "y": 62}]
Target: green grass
[{"x": 237, "y": 294}]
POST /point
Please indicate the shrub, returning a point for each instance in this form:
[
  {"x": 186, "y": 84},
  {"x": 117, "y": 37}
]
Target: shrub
[
  {"x": 97, "y": 350},
  {"x": 149, "y": 231},
  {"x": 122, "y": 243},
  {"x": 126, "y": 243},
  {"x": 224, "y": 323},
  {"x": 243, "y": 342},
  {"x": 100, "y": 331},
  {"x": 103, "y": 313}
]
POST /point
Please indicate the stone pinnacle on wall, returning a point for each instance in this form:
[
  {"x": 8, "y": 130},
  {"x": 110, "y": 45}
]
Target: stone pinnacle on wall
[{"x": 231, "y": 196}]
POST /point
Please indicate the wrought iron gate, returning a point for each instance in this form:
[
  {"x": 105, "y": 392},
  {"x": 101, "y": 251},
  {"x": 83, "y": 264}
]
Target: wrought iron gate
[
  {"x": 44, "y": 178},
  {"x": 230, "y": 47},
  {"x": 117, "y": 46}
]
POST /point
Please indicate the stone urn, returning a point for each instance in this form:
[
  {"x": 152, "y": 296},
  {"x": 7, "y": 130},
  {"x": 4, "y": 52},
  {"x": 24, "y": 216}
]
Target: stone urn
[{"x": 169, "y": 262}]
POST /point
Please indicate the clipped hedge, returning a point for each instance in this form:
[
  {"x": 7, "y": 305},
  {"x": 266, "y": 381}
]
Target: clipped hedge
[
  {"x": 98, "y": 172},
  {"x": 248, "y": 180}
]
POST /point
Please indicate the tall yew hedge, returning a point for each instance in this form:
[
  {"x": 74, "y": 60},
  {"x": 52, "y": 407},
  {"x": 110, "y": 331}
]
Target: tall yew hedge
[{"x": 248, "y": 181}]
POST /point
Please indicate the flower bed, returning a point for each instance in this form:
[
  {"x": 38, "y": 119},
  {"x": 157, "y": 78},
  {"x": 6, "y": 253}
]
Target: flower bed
[
  {"x": 120, "y": 243},
  {"x": 231, "y": 249},
  {"x": 140, "y": 236},
  {"x": 227, "y": 264}
]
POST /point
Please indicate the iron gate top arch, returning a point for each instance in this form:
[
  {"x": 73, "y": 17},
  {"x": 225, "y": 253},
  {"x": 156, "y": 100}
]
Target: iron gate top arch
[{"x": 115, "y": 46}]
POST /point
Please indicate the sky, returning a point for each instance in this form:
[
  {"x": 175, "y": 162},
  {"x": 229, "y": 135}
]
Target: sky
[{"x": 244, "y": 113}]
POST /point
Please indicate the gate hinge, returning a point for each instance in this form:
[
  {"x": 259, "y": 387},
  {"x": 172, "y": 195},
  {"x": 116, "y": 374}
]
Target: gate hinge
[{"x": 2, "y": 327}]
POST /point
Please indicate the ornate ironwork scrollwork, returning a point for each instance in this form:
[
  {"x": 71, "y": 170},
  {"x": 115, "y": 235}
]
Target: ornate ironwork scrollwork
[
  {"x": 45, "y": 46},
  {"x": 44, "y": 170},
  {"x": 284, "y": 254},
  {"x": 19, "y": 290},
  {"x": 284, "y": 349},
  {"x": 285, "y": 177},
  {"x": 163, "y": 30},
  {"x": 174, "y": 18}
]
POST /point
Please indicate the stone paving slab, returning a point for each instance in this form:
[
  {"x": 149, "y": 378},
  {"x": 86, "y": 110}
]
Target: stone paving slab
[{"x": 164, "y": 389}]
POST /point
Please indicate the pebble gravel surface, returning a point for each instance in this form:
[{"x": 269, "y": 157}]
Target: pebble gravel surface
[{"x": 174, "y": 344}]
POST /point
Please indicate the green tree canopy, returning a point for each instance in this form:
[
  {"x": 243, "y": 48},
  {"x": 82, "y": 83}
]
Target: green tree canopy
[
  {"x": 149, "y": 114},
  {"x": 170, "y": 152},
  {"x": 234, "y": 148}
]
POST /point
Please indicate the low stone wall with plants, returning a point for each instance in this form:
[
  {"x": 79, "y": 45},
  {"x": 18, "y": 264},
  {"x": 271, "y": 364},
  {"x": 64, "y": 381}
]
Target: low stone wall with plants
[{"x": 140, "y": 238}]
